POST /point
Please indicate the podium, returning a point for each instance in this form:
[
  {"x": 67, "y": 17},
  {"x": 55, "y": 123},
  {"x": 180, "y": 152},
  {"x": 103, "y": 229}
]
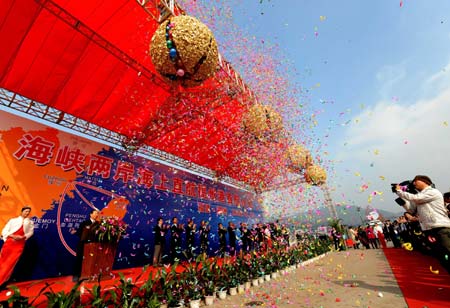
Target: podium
[{"x": 98, "y": 260}]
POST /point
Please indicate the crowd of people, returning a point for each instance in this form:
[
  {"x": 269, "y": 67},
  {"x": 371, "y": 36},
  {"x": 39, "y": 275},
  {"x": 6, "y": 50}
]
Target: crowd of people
[
  {"x": 231, "y": 239},
  {"x": 425, "y": 226}
]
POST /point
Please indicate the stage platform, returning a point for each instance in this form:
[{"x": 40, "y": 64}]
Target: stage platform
[{"x": 352, "y": 278}]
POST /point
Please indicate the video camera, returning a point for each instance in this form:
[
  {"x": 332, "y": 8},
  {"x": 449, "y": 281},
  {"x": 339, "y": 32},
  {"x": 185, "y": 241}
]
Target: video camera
[{"x": 407, "y": 186}]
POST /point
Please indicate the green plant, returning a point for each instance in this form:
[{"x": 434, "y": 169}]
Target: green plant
[
  {"x": 166, "y": 284},
  {"x": 127, "y": 291},
  {"x": 99, "y": 299},
  {"x": 148, "y": 291},
  {"x": 17, "y": 300},
  {"x": 220, "y": 278},
  {"x": 242, "y": 268},
  {"x": 208, "y": 276},
  {"x": 256, "y": 269},
  {"x": 269, "y": 263},
  {"x": 62, "y": 299},
  {"x": 232, "y": 275},
  {"x": 190, "y": 279}
]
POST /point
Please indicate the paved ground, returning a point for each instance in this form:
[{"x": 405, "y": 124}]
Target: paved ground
[{"x": 354, "y": 278}]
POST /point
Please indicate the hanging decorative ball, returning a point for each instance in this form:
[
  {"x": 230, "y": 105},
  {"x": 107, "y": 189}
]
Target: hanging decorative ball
[
  {"x": 262, "y": 122},
  {"x": 315, "y": 175},
  {"x": 180, "y": 73},
  {"x": 298, "y": 157},
  {"x": 185, "y": 43}
]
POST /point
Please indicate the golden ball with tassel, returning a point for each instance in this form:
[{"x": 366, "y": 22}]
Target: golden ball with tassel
[
  {"x": 315, "y": 175},
  {"x": 298, "y": 157},
  {"x": 262, "y": 122},
  {"x": 184, "y": 49}
]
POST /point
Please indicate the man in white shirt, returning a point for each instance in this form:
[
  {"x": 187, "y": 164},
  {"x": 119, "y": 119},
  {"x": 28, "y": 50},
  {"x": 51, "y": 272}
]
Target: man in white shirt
[
  {"x": 432, "y": 214},
  {"x": 15, "y": 233}
]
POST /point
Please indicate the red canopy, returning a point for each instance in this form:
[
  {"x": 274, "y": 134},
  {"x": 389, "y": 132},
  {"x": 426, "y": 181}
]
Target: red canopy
[{"x": 90, "y": 59}]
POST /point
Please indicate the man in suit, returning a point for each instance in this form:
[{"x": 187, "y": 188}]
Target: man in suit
[
  {"x": 160, "y": 239},
  {"x": 86, "y": 233}
]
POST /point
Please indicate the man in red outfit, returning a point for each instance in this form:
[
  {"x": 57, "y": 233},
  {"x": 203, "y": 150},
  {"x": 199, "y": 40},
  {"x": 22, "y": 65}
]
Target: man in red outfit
[{"x": 15, "y": 233}]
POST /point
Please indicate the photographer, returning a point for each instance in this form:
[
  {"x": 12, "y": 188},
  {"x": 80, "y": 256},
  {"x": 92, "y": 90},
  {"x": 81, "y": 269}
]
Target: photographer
[
  {"x": 432, "y": 214},
  {"x": 447, "y": 202}
]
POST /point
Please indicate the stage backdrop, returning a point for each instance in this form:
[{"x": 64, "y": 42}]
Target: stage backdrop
[{"x": 63, "y": 176}]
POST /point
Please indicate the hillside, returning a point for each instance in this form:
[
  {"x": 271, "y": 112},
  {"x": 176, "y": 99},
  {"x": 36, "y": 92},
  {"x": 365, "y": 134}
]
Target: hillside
[{"x": 349, "y": 216}]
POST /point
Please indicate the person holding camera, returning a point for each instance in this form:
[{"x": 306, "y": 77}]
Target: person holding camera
[
  {"x": 432, "y": 214},
  {"x": 447, "y": 202}
]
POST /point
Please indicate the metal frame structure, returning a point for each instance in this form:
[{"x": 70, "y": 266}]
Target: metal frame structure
[
  {"x": 40, "y": 111},
  {"x": 329, "y": 202},
  {"x": 301, "y": 180}
]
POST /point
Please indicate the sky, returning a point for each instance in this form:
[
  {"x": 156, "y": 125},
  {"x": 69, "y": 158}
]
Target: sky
[{"x": 369, "y": 80}]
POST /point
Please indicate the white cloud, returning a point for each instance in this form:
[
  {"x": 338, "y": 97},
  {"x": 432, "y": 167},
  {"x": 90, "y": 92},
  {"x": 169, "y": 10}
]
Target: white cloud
[
  {"x": 389, "y": 76},
  {"x": 397, "y": 142},
  {"x": 438, "y": 81}
]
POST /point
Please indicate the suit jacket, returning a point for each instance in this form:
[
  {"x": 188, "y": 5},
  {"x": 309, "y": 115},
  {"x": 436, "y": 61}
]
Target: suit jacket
[{"x": 86, "y": 231}]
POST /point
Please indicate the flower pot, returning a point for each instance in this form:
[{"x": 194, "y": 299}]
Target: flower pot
[
  {"x": 163, "y": 306},
  {"x": 267, "y": 277},
  {"x": 222, "y": 294},
  {"x": 247, "y": 285},
  {"x": 274, "y": 275},
  {"x": 177, "y": 305},
  {"x": 255, "y": 282},
  {"x": 233, "y": 291},
  {"x": 261, "y": 280},
  {"x": 241, "y": 288},
  {"x": 194, "y": 303},
  {"x": 209, "y": 300}
]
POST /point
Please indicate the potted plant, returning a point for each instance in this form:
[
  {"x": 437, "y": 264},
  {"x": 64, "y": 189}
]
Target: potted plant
[
  {"x": 189, "y": 279},
  {"x": 209, "y": 290},
  {"x": 222, "y": 283},
  {"x": 164, "y": 284},
  {"x": 208, "y": 276},
  {"x": 148, "y": 291},
  {"x": 127, "y": 291},
  {"x": 232, "y": 275}
]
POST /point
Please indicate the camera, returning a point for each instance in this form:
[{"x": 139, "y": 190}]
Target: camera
[
  {"x": 400, "y": 201},
  {"x": 407, "y": 186}
]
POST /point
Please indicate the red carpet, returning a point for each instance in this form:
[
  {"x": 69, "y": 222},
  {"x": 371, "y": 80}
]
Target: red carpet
[{"x": 420, "y": 286}]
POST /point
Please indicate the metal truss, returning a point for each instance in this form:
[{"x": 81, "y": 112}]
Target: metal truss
[
  {"x": 299, "y": 179},
  {"x": 328, "y": 201},
  {"x": 40, "y": 111}
]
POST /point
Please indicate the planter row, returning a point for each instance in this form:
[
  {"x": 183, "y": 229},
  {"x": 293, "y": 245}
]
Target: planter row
[{"x": 240, "y": 289}]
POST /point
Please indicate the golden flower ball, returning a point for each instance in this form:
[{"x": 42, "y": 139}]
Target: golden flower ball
[
  {"x": 315, "y": 175},
  {"x": 298, "y": 157},
  {"x": 262, "y": 121},
  {"x": 195, "y": 58}
]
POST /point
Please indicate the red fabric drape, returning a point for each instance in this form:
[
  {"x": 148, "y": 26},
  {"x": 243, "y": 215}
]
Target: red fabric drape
[{"x": 10, "y": 254}]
